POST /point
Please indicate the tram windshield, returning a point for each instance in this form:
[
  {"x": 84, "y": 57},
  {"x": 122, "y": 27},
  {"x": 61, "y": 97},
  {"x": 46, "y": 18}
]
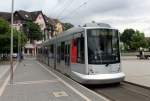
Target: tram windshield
[{"x": 103, "y": 46}]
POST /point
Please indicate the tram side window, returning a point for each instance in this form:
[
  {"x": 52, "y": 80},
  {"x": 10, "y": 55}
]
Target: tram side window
[
  {"x": 39, "y": 51},
  {"x": 78, "y": 50},
  {"x": 42, "y": 50},
  {"x": 58, "y": 53},
  {"x": 51, "y": 53},
  {"x": 45, "y": 51},
  {"x": 62, "y": 50},
  {"x": 81, "y": 52}
]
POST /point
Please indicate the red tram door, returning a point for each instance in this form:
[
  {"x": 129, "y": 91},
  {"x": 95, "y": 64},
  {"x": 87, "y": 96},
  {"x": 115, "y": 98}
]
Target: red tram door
[{"x": 74, "y": 51}]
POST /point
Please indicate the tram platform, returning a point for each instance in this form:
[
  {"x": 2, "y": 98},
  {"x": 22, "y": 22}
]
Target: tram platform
[
  {"x": 136, "y": 71},
  {"x": 34, "y": 81}
]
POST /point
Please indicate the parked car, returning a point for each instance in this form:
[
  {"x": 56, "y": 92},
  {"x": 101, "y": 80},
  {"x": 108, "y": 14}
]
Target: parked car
[{"x": 14, "y": 55}]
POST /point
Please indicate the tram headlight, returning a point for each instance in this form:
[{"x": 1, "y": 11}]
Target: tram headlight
[
  {"x": 119, "y": 68},
  {"x": 91, "y": 71}
]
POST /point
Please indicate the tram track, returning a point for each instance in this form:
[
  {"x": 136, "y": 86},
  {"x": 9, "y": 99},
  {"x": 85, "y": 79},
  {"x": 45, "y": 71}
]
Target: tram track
[{"x": 124, "y": 91}]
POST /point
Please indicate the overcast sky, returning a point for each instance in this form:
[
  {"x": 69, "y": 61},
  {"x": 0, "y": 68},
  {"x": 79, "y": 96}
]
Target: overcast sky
[{"x": 120, "y": 14}]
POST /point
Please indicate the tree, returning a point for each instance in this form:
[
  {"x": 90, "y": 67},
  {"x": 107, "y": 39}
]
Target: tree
[
  {"x": 4, "y": 26},
  {"x": 67, "y": 26},
  {"x": 126, "y": 37},
  {"x": 5, "y": 37},
  {"x": 133, "y": 39},
  {"x": 138, "y": 40},
  {"x": 19, "y": 37},
  {"x": 34, "y": 31}
]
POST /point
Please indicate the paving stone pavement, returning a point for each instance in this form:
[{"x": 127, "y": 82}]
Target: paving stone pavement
[
  {"x": 137, "y": 71},
  {"x": 33, "y": 83}
]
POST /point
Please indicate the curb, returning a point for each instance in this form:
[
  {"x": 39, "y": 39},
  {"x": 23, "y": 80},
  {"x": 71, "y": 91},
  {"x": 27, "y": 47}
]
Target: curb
[{"x": 137, "y": 84}]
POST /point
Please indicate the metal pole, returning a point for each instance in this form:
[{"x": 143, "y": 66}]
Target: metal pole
[
  {"x": 18, "y": 46},
  {"x": 11, "y": 45}
]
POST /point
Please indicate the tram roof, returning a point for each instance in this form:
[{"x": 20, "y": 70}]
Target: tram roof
[
  {"x": 66, "y": 33},
  {"x": 80, "y": 29}
]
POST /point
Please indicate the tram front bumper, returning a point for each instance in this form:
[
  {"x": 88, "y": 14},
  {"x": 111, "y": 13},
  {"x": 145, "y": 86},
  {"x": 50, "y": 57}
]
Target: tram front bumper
[{"x": 98, "y": 78}]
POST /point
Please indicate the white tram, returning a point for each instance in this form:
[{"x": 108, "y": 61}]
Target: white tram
[{"x": 89, "y": 54}]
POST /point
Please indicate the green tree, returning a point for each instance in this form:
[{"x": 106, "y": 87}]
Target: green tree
[
  {"x": 138, "y": 40},
  {"x": 34, "y": 31},
  {"x": 67, "y": 26},
  {"x": 4, "y": 26},
  {"x": 126, "y": 37},
  {"x": 19, "y": 37},
  {"x": 133, "y": 39},
  {"x": 5, "y": 37}
]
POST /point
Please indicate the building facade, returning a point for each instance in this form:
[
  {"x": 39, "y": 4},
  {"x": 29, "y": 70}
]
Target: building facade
[{"x": 49, "y": 27}]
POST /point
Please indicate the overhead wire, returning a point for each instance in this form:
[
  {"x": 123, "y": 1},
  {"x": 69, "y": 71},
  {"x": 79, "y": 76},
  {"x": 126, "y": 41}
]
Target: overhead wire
[
  {"x": 65, "y": 8},
  {"x": 74, "y": 10},
  {"x": 60, "y": 7}
]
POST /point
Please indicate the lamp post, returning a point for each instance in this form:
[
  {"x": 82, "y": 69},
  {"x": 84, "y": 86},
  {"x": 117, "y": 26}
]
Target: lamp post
[
  {"x": 19, "y": 45},
  {"x": 11, "y": 44}
]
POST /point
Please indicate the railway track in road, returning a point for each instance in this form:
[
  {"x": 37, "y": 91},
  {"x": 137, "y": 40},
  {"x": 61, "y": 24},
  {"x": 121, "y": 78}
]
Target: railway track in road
[{"x": 123, "y": 92}]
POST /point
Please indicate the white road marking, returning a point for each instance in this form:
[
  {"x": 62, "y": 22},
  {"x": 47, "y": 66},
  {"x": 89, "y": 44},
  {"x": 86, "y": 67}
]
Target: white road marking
[
  {"x": 68, "y": 85},
  {"x": 6, "y": 82},
  {"x": 34, "y": 82}
]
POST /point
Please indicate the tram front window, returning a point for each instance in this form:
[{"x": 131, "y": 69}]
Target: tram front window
[{"x": 103, "y": 46}]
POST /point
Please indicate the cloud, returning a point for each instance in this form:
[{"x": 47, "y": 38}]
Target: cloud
[
  {"x": 5, "y": 5},
  {"x": 118, "y": 13}
]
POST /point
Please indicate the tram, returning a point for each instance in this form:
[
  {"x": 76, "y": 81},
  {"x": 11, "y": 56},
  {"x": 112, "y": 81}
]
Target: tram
[{"x": 88, "y": 54}]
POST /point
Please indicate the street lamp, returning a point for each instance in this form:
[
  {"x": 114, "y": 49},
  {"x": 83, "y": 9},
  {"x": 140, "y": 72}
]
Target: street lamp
[{"x": 11, "y": 44}]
